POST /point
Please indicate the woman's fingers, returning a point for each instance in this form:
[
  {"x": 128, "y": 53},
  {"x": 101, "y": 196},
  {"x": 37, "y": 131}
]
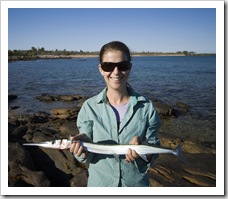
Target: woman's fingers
[
  {"x": 76, "y": 146},
  {"x": 131, "y": 155}
]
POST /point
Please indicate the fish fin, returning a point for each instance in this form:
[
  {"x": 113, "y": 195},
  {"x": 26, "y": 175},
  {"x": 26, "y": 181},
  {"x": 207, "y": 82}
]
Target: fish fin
[
  {"x": 143, "y": 156},
  {"x": 178, "y": 153}
]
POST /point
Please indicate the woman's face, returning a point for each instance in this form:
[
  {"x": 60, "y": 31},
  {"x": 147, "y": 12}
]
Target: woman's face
[{"x": 116, "y": 79}]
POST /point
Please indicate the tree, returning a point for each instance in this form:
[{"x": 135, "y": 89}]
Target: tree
[{"x": 33, "y": 49}]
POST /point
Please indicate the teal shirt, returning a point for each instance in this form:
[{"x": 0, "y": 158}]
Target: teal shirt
[{"x": 98, "y": 121}]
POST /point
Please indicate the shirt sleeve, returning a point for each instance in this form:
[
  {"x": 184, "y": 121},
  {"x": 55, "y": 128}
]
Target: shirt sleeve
[
  {"x": 151, "y": 139},
  {"x": 85, "y": 126}
]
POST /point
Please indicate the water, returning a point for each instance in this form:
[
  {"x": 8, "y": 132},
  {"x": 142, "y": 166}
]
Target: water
[{"x": 191, "y": 80}]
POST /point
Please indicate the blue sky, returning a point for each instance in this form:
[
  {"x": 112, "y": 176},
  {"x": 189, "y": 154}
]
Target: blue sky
[{"x": 142, "y": 29}]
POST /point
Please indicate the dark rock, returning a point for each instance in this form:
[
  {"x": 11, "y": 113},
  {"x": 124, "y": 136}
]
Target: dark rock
[
  {"x": 68, "y": 129},
  {"x": 42, "y": 114},
  {"x": 14, "y": 107},
  {"x": 163, "y": 109},
  {"x": 21, "y": 168},
  {"x": 45, "y": 98},
  {"x": 13, "y": 121},
  {"x": 49, "y": 131},
  {"x": 66, "y": 98},
  {"x": 12, "y": 97},
  {"x": 183, "y": 107},
  {"x": 28, "y": 137},
  {"x": 43, "y": 162},
  {"x": 39, "y": 136},
  {"x": 38, "y": 119},
  {"x": 35, "y": 178},
  {"x": 18, "y": 133},
  {"x": 60, "y": 166},
  {"x": 65, "y": 113},
  {"x": 80, "y": 178},
  {"x": 17, "y": 155},
  {"x": 11, "y": 128},
  {"x": 78, "y": 97}
]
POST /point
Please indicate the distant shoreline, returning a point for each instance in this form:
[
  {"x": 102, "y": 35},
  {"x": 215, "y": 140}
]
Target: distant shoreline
[{"x": 38, "y": 57}]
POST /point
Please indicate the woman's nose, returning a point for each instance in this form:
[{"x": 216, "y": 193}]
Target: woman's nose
[{"x": 116, "y": 70}]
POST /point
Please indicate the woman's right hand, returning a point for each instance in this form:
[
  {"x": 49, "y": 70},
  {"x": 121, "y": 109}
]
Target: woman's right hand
[{"x": 76, "y": 146}]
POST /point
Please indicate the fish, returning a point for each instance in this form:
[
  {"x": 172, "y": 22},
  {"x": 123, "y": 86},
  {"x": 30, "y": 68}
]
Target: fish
[{"x": 115, "y": 150}]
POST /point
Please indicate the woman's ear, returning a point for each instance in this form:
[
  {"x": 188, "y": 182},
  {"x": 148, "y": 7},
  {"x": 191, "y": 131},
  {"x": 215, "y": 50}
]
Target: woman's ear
[{"x": 100, "y": 69}]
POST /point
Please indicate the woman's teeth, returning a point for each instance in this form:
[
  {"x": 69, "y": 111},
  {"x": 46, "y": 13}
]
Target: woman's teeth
[{"x": 116, "y": 78}]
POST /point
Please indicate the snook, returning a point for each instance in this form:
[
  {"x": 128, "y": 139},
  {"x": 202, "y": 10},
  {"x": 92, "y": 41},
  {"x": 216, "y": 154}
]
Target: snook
[{"x": 142, "y": 150}]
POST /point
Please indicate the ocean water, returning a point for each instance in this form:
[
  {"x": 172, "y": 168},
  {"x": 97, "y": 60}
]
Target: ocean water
[{"x": 191, "y": 80}]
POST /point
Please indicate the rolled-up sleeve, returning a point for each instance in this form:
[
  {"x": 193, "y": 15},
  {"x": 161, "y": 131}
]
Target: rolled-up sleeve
[
  {"x": 85, "y": 126},
  {"x": 151, "y": 138}
]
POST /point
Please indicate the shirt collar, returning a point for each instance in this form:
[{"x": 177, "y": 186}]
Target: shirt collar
[{"x": 101, "y": 97}]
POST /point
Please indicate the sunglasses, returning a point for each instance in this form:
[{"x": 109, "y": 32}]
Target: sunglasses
[{"x": 110, "y": 66}]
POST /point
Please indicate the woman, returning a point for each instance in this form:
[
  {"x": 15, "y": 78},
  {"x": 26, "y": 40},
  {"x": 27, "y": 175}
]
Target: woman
[{"x": 117, "y": 115}]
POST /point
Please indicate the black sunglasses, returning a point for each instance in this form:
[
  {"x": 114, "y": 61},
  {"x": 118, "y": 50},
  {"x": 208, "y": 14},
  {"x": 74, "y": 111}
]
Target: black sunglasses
[{"x": 110, "y": 66}]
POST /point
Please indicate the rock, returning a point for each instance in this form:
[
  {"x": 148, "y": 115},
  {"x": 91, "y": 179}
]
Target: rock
[
  {"x": 68, "y": 129},
  {"x": 60, "y": 167},
  {"x": 36, "y": 166},
  {"x": 80, "y": 179},
  {"x": 78, "y": 97},
  {"x": 182, "y": 106},
  {"x": 39, "y": 136},
  {"x": 45, "y": 98},
  {"x": 18, "y": 133},
  {"x": 192, "y": 147},
  {"x": 20, "y": 169},
  {"x": 38, "y": 119},
  {"x": 28, "y": 137},
  {"x": 163, "y": 109},
  {"x": 35, "y": 178},
  {"x": 49, "y": 131},
  {"x": 12, "y": 97},
  {"x": 168, "y": 171},
  {"x": 14, "y": 107},
  {"x": 17, "y": 155},
  {"x": 66, "y": 98},
  {"x": 13, "y": 121},
  {"x": 65, "y": 113}
]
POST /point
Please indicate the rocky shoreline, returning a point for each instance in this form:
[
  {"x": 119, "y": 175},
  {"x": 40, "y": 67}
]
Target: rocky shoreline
[{"x": 40, "y": 167}]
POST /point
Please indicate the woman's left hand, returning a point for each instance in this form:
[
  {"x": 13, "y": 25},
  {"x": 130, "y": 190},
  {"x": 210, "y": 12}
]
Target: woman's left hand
[{"x": 132, "y": 155}]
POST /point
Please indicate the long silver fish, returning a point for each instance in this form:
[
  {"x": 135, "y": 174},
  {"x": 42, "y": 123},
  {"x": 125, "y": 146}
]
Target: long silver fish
[{"x": 142, "y": 150}]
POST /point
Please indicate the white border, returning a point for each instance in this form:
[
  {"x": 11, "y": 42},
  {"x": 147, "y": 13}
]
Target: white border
[{"x": 218, "y": 190}]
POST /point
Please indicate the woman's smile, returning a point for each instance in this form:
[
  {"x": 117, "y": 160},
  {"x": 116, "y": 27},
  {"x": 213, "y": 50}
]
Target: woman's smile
[{"x": 116, "y": 79}]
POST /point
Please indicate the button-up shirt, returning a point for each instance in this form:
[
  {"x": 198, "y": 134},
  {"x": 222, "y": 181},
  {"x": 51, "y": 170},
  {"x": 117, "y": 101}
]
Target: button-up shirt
[{"x": 98, "y": 121}]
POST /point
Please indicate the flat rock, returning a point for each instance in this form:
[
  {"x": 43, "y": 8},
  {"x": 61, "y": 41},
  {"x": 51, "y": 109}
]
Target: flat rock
[
  {"x": 163, "y": 109},
  {"x": 68, "y": 129}
]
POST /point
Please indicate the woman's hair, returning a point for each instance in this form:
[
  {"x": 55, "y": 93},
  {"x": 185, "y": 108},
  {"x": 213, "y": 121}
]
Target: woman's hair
[{"x": 115, "y": 45}]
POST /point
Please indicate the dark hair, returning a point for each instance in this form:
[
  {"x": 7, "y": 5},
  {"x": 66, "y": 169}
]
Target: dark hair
[{"x": 114, "y": 45}]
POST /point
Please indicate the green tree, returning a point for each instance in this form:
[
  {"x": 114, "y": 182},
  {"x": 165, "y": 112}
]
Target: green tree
[{"x": 33, "y": 49}]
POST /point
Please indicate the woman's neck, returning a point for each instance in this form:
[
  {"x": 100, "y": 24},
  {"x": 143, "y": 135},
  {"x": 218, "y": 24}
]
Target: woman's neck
[{"x": 118, "y": 97}]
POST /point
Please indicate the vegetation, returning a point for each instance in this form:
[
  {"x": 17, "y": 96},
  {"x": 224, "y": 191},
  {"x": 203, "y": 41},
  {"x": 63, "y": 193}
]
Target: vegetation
[{"x": 41, "y": 53}]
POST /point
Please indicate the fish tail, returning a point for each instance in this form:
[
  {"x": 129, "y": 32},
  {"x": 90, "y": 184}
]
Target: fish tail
[{"x": 178, "y": 152}]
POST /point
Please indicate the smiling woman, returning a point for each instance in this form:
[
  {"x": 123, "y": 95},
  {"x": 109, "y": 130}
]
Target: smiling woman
[{"x": 117, "y": 115}]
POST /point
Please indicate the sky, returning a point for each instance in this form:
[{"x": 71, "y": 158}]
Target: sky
[{"x": 88, "y": 29}]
